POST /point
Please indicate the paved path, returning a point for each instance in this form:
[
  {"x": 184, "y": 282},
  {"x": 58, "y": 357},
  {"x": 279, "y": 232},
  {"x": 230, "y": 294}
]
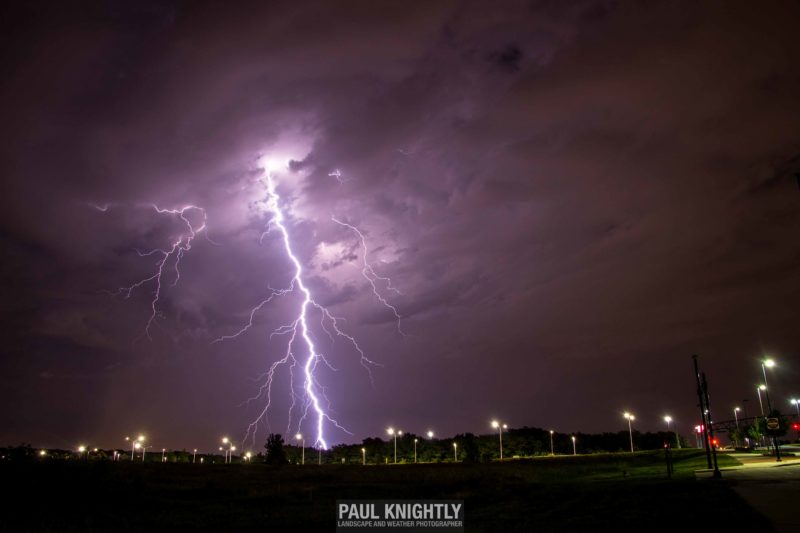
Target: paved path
[{"x": 773, "y": 489}]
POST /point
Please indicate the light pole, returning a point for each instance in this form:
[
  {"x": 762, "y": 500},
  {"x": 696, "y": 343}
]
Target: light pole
[
  {"x": 394, "y": 433},
  {"x": 668, "y": 420},
  {"x": 415, "y": 451},
  {"x": 194, "y": 455},
  {"x": 163, "y": 455},
  {"x": 574, "y": 449},
  {"x": 760, "y": 403},
  {"x": 630, "y": 418},
  {"x": 82, "y": 449},
  {"x": 500, "y": 427},
  {"x": 796, "y": 403},
  {"x": 303, "y": 446},
  {"x": 769, "y": 363},
  {"x": 552, "y": 452},
  {"x": 225, "y": 442},
  {"x": 247, "y": 456},
  {"x": 364, "y": 456},
  {"x": 736, "y": 417},
  {"x": 455, "y": 452},
  {"x": 230, "y": 454}
]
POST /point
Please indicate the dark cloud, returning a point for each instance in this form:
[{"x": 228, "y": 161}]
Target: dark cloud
[{"x": 571, "y": 199}]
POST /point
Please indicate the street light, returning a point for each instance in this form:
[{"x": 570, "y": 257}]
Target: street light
[
  {"x": 415, "y": 451},
  {"x": 163, "y": 455},
  {"x": 796, "y": 403},
  {"x": 574, "y": 448},
  {"x": 226, "y": 452},
  {"x": 194, "y": 455},
  {"x": 551, "y": 443},
  {"x": 668, "y": 420},
  {"x": 82, "y": 449},
  {"x": 455, "y": 452},
  {"x": 765, "y": 364},
  {"x": 394, "y": 433},
  {"x": 364, "y": 456},
  {"x": 760, "y": 403},
  {"x": 247, "y": 456},
  {"x": 500, "y": 427},
  {"x": 630, "y": 418},
  {"x": 303, "y": 447}
]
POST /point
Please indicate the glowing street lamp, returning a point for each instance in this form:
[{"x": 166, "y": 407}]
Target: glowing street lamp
[
  {"x": 248, "y": 456},
  {"x": 394, "y": 433},
  {"x": 574, "y": 448},
  {"x": 163, "y": 455},
  {"x": 796, "y": 403},
  {"x": 226, "y": 452},
  {"x": 415, "y": 451},
  {"x": 630, "y": 418},
  {"x": 42, "y": 453},
  {"x": 430, "y": 434},
  {"x": 194, "y": 455},
  {"x": 364, "y": 456},
  {"x": 765, "y": 364},
  {"x": 551, "y": 443},
  {"x": 668, "y": 420},
  {"x": 303, "y": 447},
  {"x": 230, "y": 454},
  {"x": 500, "y": 427},
  {"x": 82, "y": 449},
  {"x": 455, "y": 452},
  {"x": 760, "y": 403}
]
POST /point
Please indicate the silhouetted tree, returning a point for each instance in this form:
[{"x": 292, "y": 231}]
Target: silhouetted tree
[{"x": 276, "y": 455}]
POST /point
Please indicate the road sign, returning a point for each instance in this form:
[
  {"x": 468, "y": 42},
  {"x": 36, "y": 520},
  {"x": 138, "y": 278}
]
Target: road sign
[{"x": 773, "y": 424}]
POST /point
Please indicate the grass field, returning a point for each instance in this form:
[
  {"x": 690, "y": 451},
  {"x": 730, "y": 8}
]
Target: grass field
[{"x": 580, "y": 493}]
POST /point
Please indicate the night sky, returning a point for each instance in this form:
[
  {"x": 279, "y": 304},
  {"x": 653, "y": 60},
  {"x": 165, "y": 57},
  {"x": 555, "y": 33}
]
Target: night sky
[{"x": 571, "y": 198}]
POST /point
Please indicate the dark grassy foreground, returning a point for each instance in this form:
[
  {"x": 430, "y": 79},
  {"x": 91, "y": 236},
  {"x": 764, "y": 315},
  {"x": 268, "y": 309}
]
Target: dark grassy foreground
[{"x": 548, "y": 494}]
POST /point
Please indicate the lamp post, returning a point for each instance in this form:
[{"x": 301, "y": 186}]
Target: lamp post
[
  {"x": 163, "y": 455},
  {"x": 796, "y": 403},
  {"x": 194, "y": 455},
  {"x": 574, "y": 449},
  {"x": 415, "y": 451},
  {"x": 225, "y": 442},
  {"x": 760, "y": 403},
  {"x": 303, "y": 447},
  {"x": 769, "y": 363},
  {"x": 248, "y": 456},
  {"x": 552, "y": 452},
  {"x": 630, "y": 418},
  {"x": 82, "y": 449},
  {"x": 500, "y": 427},
  {"x": 364, "y": 456},
  {"x": 394, "y": 433},
  {"x": 230, "y": 454},
  {"x": 455, "y": 452},
  {"x": 668, "y": 420}
]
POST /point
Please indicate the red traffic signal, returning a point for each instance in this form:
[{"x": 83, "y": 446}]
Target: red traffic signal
[{"x": 795, "y": 426}]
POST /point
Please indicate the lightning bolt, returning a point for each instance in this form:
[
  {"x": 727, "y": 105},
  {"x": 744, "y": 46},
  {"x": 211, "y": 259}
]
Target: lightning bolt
[
  {"x": 169, "y": 256},
  {"x": 372, "y": 277},
  {"x": 301, "y": 350}
]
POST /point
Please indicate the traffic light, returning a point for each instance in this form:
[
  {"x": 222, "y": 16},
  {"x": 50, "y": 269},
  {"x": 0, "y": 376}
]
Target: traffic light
[{"x": 795, "y": 426}]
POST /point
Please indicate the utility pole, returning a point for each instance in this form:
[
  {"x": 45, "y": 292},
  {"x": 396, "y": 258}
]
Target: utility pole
[
  {"x": 703, "y": 425},
  {"x": 717, "y": 473}
]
